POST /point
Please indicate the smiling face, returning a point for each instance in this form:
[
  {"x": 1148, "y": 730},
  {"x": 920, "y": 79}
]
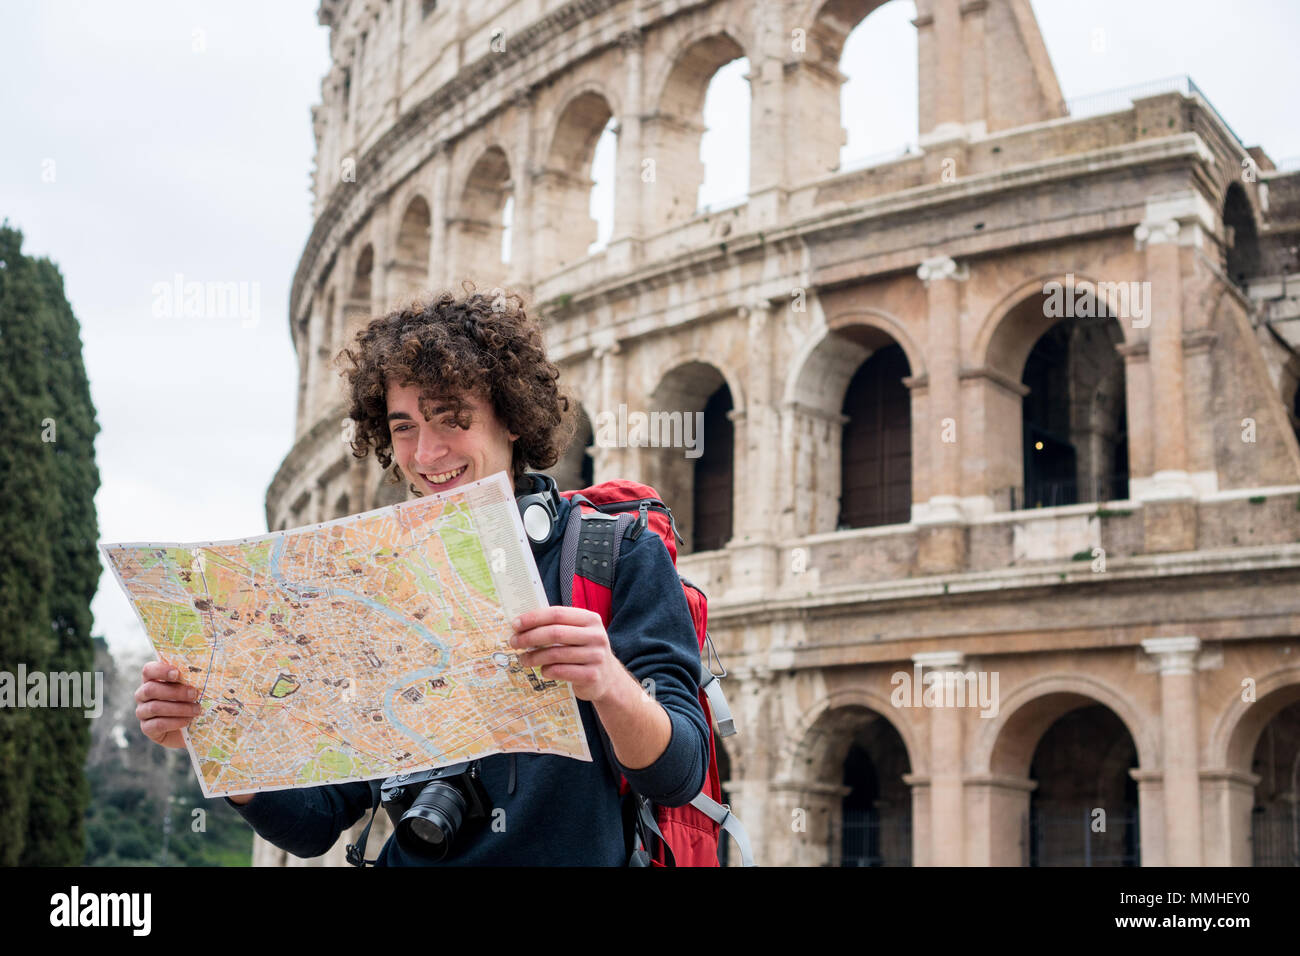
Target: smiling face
[{"x": 437, "y": 454}]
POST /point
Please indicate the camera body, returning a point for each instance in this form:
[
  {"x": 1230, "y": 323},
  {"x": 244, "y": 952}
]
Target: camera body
[{"x": 430, "y": 809}]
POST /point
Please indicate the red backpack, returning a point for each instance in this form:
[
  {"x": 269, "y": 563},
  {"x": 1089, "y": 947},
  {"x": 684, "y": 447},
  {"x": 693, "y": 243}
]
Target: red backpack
[{"x": 602, "y": 517}]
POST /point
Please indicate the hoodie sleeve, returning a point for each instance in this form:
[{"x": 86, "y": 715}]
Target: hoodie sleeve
[
  {"x": 652, "y": 634},
  {"x": 306, "y": 822}
]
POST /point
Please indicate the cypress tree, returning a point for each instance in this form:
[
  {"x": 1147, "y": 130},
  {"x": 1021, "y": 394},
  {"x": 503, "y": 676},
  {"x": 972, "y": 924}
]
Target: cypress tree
[{"x": 49, "y": 567}]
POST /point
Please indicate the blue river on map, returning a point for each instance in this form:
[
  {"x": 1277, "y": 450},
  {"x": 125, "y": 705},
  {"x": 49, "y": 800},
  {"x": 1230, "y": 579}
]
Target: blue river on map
[{"x": 403, "y": 681}]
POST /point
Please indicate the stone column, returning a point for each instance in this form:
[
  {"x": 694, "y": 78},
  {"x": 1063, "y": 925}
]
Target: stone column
[
  {"x": 939, "y": 59},
  {"x": 1151, "y": 816},
  {"x": 624, "y": 249},
  {"x": 997, "y": 807},
  {"x": 1228, "y": 797},
  {"x": 439, "y": 212},
  {"x": 922, "y": 838},
  {"x": 809, "y": 812},
  {"x": 1180, "y": 744},
  {"x": 1159, "y": 240},
  {"x": 974, "y": 86},
  {"x": 942, "y": 276},
  {"x": 519, "y": 272},
  {"x": 755, "y": 557},
  {"x": 941, "y": 544},
  {"x": 608, "y": 461},
  {"x": 947, "y": 810},
  {"x": 811, "y": 441},
  {"x": 992, "y": 462}
]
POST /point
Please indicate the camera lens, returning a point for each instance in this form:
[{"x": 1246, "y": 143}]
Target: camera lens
[{"x": 429, "y": 826}]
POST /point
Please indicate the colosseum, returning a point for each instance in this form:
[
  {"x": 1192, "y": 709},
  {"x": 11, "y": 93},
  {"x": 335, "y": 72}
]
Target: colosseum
[{"x": 999, "y": 508}]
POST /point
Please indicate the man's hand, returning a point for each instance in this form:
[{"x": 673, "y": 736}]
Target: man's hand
[
  {"x": 581, "y": 653},
  {"x": 166, "y": 704},
  {"x": 638, "y": 727}
]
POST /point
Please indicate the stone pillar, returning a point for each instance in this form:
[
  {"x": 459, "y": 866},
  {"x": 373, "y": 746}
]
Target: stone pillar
[
  {"x": 809, "y": 811},
  {"x": 1228, "y": 797},
  {"x": 1159, "y": 239},
  {"x": 520, "y": 273},
  {"x": 947, "y": 810},
  {"x": 942, "y": 542},
  {"x": 1137, "y": 397},
  {"x": 992, "y": 460},
  {"x": 939, "y": 62},
  {"x": 759, "y": 428},
  {"x": 997, "y": 807},
  {"x": 1151, "y": 816},
  {"x": 1180, "y": 744},
  {"x": 670, "y": 196},
  {"x": 440, "y": 210},
  {"x": 974, "y": 84},
  {"x": 922, "y": 838},
  {"x": 942, "y": 276},
  {"x": 624, "y": 249},
  {"x": 607, "y": 461},
  {"x": 811, "y": 440}
]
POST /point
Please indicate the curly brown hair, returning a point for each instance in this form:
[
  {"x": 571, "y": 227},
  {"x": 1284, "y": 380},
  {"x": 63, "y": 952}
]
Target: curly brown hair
[{"x": 486, "y": 345}]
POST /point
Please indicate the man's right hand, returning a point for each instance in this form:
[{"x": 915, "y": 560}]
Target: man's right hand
[{"x": 165, "y": 705}]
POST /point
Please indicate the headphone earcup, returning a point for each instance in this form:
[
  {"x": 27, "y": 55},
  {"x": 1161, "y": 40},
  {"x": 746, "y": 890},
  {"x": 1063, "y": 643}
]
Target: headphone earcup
[{"x": 540, "y": 511}]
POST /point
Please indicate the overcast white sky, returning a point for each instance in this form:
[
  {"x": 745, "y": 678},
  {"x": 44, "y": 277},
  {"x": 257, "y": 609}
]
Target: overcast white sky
[{"x": 149, "y": 138}]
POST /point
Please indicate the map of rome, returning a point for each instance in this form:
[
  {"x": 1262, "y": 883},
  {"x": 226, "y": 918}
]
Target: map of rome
[{"x": 357, "y": 648}]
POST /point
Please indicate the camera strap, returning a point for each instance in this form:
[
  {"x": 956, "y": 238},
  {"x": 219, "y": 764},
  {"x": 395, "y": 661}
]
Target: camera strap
[{"x": 356, "y": 852}]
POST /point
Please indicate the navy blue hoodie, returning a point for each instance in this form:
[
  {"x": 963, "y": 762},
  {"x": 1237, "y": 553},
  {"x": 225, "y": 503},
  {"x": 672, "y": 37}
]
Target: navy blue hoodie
[{"x": 561, "y": 811}]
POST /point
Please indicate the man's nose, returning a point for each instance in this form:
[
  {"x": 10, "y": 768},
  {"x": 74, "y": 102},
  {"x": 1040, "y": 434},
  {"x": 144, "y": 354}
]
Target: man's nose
[{"x": 432, "y": 447}]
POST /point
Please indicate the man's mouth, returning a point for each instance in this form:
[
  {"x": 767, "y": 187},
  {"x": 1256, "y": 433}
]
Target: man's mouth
[{"x": 443, "y": 479}]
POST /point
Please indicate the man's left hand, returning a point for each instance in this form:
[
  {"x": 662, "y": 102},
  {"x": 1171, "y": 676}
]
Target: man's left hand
[{"x": 580, "y": 651}]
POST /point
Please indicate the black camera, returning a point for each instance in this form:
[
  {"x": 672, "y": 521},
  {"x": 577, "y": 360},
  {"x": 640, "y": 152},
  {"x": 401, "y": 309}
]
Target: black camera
[{"x": 428, "y": 809}]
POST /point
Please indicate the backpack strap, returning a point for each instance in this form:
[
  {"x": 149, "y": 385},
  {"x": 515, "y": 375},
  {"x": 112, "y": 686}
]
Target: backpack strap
[
  {"x": 356, "y": 852},
  {"x": 722, "y": 816},
  {"x": 709, "y": 683}
]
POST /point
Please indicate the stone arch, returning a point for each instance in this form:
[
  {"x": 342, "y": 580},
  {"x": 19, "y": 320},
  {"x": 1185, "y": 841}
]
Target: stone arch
[
  {"x": 1237, "y": 727},
  {"x": 410, "y": 268},
  {"x": 687, "y": 388},
  {"x": 1005, "y": 332},
  {"x": 359, "y": 305},
  {"x": 1241, "y": 252},
  {"x": 813, "y": 403},
  {"x": 1054, "y": 391},
  {"x": 795, "y": 747},
  {"x": 1034, "y": 706},
  {"x": 808, "y": 360},
  {"x": 562, "y": 187},
  {"x": 843, "y": 757},
  {"x": 477, "y": 226},
  {"x": 832, "y": 22},
  {"x": 1002, "y": 748},
  {"x": 672, "y": 133}
]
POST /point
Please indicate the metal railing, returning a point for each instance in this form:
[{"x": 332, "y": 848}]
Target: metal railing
[
  {"x": 1071, "y": 837},
  {"x": 870, "y": 838},
  {"x": 1275, "y": 836},
  {"x": 1062, "y": 491}
]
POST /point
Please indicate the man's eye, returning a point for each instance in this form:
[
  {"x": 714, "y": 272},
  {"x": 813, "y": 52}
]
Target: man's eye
[{"x": 403, "y": 428}]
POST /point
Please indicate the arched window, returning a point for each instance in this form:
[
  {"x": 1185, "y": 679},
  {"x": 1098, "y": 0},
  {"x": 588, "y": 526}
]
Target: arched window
[
  {"x": 876, "y": 457},
  {"x": 1241, "y": 241},
  {"x": 878, "y": 101},
  {"x": 714, "y": 475},
  {"x": 411, "y": 256}
]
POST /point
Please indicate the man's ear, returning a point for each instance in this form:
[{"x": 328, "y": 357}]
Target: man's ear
[{"x": 513, "y": 436}]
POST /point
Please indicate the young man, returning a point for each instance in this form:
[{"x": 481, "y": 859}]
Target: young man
[{"x": 453, "y": 391}]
